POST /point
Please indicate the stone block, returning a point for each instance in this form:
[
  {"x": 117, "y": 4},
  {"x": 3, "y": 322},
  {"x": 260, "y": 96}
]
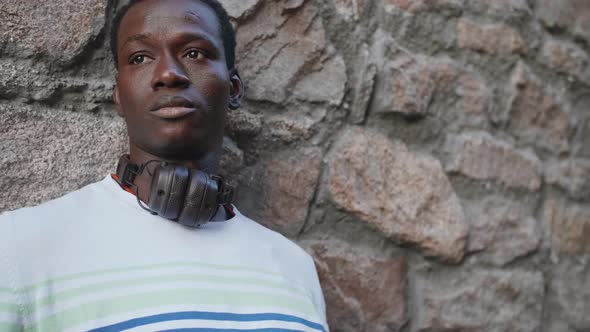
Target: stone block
[
  {"x": 239, "y": 10},
  {"x": 363, "y": 293},
  {"x": 411, "y": 83},
  {"x": 47, "y": 153},
  {"x": 501, "y": 9},
  {"x": 568, "y": 15},
  {"x": 479, "y": 300},
  {"x": 568, "y": 298},
  {"x": 480, "y": 156},
  {"x": 282, "y": 189},
  {"x": 568, "y": 226},
  {"x": 405, "y": 196},
  {"x": 60, "y": 29},
  {"x": 489, "y": 38},
  {"x": 275, "y": 64},
  {"x": 535, "y": 116},
  {"x": 501, "y": 230},
  {"x": 566, "y": 58},
  {"x": 573, "y": 175}
]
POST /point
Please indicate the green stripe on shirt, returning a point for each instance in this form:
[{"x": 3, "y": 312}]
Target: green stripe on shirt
[{"x": 101, "y": 309}]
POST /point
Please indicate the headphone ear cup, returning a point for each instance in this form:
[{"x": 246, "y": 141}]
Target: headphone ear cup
[
  {"x": 167, "y": 190},
  {"x": 201, "y": 202}
]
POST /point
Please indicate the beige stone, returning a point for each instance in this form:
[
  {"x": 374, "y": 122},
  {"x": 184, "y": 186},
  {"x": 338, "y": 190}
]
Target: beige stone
[
  {"x": 482, "y": 157},
  {"x": 407, "y": 197},
  {"x": 363, "y": 293},
  {"x": 489, "y": 38}
]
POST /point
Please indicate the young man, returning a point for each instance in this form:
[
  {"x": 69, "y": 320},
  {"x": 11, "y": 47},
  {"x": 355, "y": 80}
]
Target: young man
[{"x": 96, "y": 260}]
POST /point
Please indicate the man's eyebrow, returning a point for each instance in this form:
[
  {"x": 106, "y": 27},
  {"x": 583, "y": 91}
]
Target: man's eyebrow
[{"x": 137, "y": 37}]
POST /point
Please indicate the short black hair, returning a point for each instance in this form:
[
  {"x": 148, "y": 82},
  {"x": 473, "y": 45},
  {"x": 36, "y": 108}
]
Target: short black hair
[{"x": 227, "y": 30}]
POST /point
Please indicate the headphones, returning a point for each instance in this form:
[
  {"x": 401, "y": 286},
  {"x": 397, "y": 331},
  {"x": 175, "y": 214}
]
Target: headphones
[{"x": 189, "y": 196}]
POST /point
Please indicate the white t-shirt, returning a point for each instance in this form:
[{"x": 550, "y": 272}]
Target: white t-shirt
[{"x": 94, "y": 260}]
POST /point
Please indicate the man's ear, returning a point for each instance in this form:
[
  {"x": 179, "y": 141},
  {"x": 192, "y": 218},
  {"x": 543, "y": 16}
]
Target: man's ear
[
  {"x": 117, "y": 100},
  {"x": 236, "y": 90}
]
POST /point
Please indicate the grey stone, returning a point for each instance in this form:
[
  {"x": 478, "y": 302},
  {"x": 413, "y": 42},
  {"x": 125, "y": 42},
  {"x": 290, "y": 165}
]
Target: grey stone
[
  {"x": 60, "y": 29},
  {"x": 47, "y": 153},
  {"x": 502, "y": 230},
  {"x": 573, "y": 175},
  {"x": 366, "y": 77},
  {"x": 568, "y": 296},
  {"x": 535, "y": 116},
  {"x": 479, "y": 300},
  {"x": 570, "y": 15},
  {"x": 405, "y": 196},
  {"x": 277, "y": 65}
]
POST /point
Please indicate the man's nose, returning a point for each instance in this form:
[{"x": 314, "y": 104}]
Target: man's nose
[{"x": 169, "y": 74}]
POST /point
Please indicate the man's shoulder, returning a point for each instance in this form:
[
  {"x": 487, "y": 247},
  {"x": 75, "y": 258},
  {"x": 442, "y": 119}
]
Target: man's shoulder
[{"x": 51, "y": 211}]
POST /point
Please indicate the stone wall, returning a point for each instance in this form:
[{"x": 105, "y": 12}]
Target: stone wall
[{"x": 432, "y": 155}]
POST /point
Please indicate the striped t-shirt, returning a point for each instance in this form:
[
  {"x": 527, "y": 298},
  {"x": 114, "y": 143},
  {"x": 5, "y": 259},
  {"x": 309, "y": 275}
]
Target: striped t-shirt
[{"x": 93, "y": 260}]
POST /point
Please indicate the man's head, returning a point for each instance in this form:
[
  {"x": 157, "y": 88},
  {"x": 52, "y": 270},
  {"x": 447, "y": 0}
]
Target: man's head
[{"x": 176, "y": 76}]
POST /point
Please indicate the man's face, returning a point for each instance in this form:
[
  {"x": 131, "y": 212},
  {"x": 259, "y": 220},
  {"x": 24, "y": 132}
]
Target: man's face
[{"x": 173, "y": 84}]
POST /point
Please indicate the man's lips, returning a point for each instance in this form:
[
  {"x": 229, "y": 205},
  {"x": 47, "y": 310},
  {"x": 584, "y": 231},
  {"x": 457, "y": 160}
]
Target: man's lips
[
  {"x": 173, "y": 107},
  {"x": 174, "y": 112}
]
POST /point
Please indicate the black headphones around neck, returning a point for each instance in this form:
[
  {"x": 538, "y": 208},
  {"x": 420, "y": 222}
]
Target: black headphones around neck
[{"x": 188, "y": 196}]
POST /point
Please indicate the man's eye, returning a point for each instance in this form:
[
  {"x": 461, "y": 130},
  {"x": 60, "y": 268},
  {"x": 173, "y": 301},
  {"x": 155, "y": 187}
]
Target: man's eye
[
  {"x": 138, "y": 59},
  {"x": 193, "y": 54}
]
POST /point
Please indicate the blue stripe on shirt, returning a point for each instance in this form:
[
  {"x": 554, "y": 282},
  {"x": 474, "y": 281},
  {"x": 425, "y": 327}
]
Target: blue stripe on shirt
[{"x": 219, "y": 316}]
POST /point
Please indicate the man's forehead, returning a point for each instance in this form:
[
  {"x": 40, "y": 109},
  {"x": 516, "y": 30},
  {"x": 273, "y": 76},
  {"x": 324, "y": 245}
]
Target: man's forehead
[{"x": 164, "y": 13}]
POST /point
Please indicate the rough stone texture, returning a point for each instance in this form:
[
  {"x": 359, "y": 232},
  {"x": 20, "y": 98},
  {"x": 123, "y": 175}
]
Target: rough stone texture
[
  {"x": 569, "y": 298},
  {"x": 480, "y": 300},
  {"x": 502, "y": 231},
  {"x": 350, "y": 10},
  {"x": 567, "y": 58},
  {"x": 566, "y": 15},
  {"x": 417, "y": 6},
  {"x": 568, "y": 226},
  {"x": 46, "y": 154},
  {"x": 535, "y": 116},
  {"x": 365, "y": 293},
  {"x": 407, "y": 197},
  {"x": 489, "y": 38},
  {"x": 59, "y": 29},
  {"x": 366, "y": 77},
  {"x": 240, "y": 9},
  {"x": 412, "y": 83},
  {"x": 501, "y": 9},
  {"x": 573, "y": 175},
  {"x": 283, "y": 188},
  {"x": 476, "y": 96},
  {"x": 274, "y": 62},
  {"x": 497, "y": 89},
  {"x": 480, "y": 156}
]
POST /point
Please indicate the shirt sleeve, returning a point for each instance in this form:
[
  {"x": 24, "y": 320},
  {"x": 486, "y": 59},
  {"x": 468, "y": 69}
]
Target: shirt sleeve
[{"x": 10, "y": 313}]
